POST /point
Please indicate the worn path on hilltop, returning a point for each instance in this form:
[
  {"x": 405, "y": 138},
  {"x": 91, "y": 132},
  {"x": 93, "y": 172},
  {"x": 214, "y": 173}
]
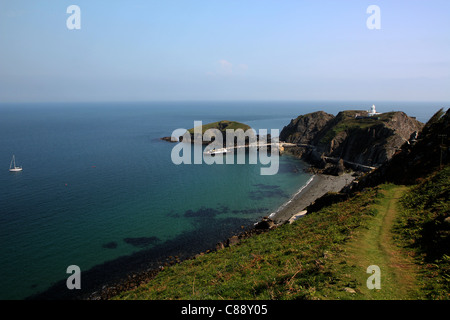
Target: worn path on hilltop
[{"x": 374, "y": 245}]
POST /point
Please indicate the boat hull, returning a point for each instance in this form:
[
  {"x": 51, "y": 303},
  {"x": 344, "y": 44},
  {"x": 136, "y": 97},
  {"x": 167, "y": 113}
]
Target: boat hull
[{"x": 218, "y": 152}]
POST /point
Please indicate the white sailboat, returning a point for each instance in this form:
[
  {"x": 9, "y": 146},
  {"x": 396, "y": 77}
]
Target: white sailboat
[{"x": 14, "y": 168}]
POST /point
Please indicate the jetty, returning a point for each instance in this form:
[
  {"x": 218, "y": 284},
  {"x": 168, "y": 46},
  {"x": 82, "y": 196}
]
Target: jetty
[{"x": 278, "y": 145}]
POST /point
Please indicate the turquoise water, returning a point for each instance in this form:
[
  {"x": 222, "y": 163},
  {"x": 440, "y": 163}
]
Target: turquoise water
[{"x": 99, "y": 189}]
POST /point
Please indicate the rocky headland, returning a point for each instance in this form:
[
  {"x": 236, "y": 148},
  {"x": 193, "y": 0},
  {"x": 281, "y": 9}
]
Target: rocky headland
[{"x": 351, "y": 139}]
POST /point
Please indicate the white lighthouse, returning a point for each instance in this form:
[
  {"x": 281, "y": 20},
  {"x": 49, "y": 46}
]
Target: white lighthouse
[{"x": 373, "y": 111}]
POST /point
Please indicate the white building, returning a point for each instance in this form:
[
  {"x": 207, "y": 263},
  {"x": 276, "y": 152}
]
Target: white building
[{"x": 373, "y": 111}]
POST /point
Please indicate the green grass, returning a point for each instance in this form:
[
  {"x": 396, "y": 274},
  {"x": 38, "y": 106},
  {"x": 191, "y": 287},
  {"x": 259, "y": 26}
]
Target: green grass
[
  {"x": 373, "y": 245},
  {"x": 348, "y": 125},
  {"x": 347, "y": 122},
  {"x": 422, "y": 228},
  {"x": 222, "y": 126}
]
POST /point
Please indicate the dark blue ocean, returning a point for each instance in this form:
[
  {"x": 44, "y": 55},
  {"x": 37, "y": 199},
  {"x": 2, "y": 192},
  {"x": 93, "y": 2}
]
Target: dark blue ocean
[{"x": 99, "y": 190}]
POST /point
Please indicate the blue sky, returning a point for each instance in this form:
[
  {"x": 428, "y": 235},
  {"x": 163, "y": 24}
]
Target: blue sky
[{"x": 224, "y": 50}]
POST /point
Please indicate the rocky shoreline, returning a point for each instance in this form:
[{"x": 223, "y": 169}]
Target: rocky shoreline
[
  {"x": 319, "y": 186},
  {"x": 135, "y": 279}
]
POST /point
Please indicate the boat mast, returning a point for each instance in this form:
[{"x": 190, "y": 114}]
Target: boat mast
[{"x": 12, "y": 160}]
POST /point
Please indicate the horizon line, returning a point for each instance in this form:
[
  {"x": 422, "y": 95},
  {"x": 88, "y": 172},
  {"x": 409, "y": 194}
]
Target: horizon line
[{"x": 219, "y": 100}]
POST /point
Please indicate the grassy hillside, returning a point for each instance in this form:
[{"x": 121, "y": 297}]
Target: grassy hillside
[
  {"x": 346, "y": 121},
  {"x": 325, "y": 254},
  {"x": 424, "y": 228}
]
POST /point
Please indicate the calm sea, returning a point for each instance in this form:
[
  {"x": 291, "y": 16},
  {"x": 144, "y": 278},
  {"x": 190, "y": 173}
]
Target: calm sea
[{"x": 99, "y": 190}]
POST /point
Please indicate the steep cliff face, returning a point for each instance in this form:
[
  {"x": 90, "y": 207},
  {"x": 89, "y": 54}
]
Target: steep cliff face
[
  {"x": 352, "y": 136},
  {"x": 305, "y": 128},
  {"x": 422, "y": 155}
]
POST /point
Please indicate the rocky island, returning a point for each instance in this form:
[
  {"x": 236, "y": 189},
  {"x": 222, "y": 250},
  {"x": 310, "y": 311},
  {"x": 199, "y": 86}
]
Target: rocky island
[{"x": 222, "y": 126}]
